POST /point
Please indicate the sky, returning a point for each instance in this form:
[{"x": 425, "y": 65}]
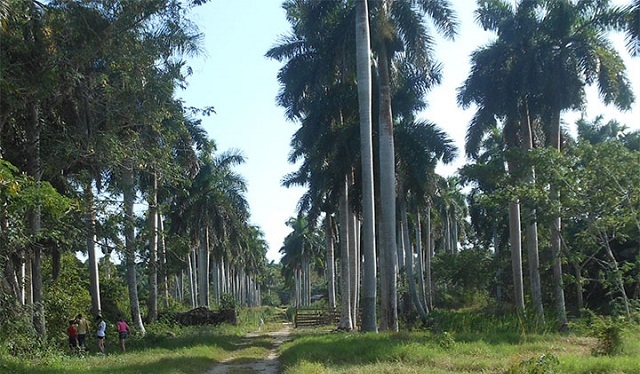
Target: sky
[{"x": 241, "y": 84}]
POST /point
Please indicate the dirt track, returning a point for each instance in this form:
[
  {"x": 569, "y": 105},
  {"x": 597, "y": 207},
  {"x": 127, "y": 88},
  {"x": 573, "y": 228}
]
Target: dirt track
[{"x": 270, "y": 365}]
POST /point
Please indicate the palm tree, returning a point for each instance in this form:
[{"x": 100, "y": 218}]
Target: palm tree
[
  {"x": 300, "y": 248},
  {"x": 397, "y": 28},
  {"x": 632, "y": 27},
  {"x": 576, "y": 53},
  {"x": 319, "y": 90},
  {"x": 363, "y": 58},
  {"x": 420, "y": 145},
  {"x": 212, "y": 207},
  {"x": 503, "y": 85}
]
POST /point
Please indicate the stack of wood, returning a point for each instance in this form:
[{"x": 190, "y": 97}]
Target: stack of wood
[{"x": 205, "y": 316}]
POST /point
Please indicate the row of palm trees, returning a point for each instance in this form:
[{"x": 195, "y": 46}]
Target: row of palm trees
[
  {"x": 89, "y": 105},
  {"x": 321, "y": 88},
  {"x": 543, "y": 56}
]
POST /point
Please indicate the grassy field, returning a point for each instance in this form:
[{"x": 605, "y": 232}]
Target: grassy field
[
  {"x": 457, "y": 343},
  {"x": 181, "y": 351},
  {"x": 423, "y": 352}
]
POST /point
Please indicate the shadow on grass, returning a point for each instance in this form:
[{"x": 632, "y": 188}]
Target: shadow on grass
[
  {"x": 183, "y": 354},
  {"x": 340, "y": 349},
  {"x": 225, "y": 342},
  {"x": 183, "y": 364}
]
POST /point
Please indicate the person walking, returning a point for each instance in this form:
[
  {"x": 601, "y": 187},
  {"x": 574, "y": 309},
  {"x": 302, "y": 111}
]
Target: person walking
[
  {"x": 123, "y": 332},
  {"x": 83, "y": 330},
  {"x": 72, "y": 331},
  {"x": 101, "y": 332}
]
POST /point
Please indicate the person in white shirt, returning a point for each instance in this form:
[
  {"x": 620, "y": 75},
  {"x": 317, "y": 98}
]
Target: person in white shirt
[{"x": 101, "y": 332}]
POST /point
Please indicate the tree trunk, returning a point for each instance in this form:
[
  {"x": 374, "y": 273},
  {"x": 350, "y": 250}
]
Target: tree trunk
[
  {"x": 331, "y": 267},
  {"x": 90, "y": 226},
  {"x": 130, "y": 251},
  {"x": 192, "y": 277},
  {"x": 428, "y": 257},
  {"x": 152, "y": 216},
  {"x": 387, "y": 192},
  {"x": 516, "y": 254},
  {"x": 556, "y": 226},
  {"x": 532, "y": 225},
  {"x": 369, "y": 276},
  {"x": 409, "y": 260},
  {"x": 346, "y": 323},
  {"x": 420, "y": 265},
  {"x": 35, "y": 224},
  {"x": 163, "y": 283},
  {"x": 354, "y": 265},
  {"x": 215, "y": 268},
  {"x": 203, "y": 268},
  {"x": 446, "y": 237},
  {"x": 496, "y": 248}
]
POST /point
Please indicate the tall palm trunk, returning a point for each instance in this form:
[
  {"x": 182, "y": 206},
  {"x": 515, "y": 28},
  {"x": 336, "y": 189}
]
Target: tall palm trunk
[
  {"x": 191, "y": 270},
  {"x": 90, "y": 226},
  {"x": 409, "y": 260},
  {"x": 496, "y": 248},
  {"x": 420, "y": 265},
  {"x": 163, "y": 283},
  {"x": 152, "y": 216},
  {"x": 331, "y": 268},
  {"x": 556, "y": 226},
  {"x": 369, "y": 276},
  {"x": 130, "y": 250},
  {"x": 387, "y": 192},
  {"x": 428, "y": 257},
  {"x": 354, "y": 266},
  {"x": 516, "y": 254},
  {"x": 203, "y": 268},
  {"x": 215, "y": 268},
  {"x": 532, "y": 225},
  {"x": 446, "y": 237},
  {"x": 346, "y": 322},
  {"x": 454, "y": 230},
  {"x": 35, "y": 224}
]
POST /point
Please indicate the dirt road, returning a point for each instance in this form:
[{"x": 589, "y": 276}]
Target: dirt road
[{"x": 270, "y": 365}]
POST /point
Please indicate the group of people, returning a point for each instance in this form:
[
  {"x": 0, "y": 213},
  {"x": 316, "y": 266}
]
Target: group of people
[{"x": 79, "y": 328}]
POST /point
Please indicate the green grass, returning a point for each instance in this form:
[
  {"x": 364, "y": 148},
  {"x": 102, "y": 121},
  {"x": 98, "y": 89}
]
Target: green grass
[
  {"x": 456, "y": 343},
  {"x": 422, "y": 352},
  {"x": 191, "y": 350}
]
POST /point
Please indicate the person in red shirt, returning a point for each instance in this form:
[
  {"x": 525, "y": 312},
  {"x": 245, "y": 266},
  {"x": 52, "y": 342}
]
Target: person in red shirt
[
  {"x": 72, "y": 331},
  {"x": 123, "y": 332}
]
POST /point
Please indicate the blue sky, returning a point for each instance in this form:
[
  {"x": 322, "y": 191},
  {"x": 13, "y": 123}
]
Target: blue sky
[{"x": 241, "y": 84}]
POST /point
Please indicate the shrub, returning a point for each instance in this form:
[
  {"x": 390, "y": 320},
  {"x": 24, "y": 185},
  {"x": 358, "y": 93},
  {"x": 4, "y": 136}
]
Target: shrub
[
  {"x": 545, "y": 364},
  {"x": 227, "y": 301},
  {"x": 446, "y": 341},
  {"x": 609, "y": 334}
]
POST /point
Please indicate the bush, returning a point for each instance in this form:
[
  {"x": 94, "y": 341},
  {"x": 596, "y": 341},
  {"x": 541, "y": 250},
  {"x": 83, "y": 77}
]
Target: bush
[
  {"x": 227, "y": 301},
  {"x": 609, "y": 333},
  {"x": 545, "y": 364}
]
